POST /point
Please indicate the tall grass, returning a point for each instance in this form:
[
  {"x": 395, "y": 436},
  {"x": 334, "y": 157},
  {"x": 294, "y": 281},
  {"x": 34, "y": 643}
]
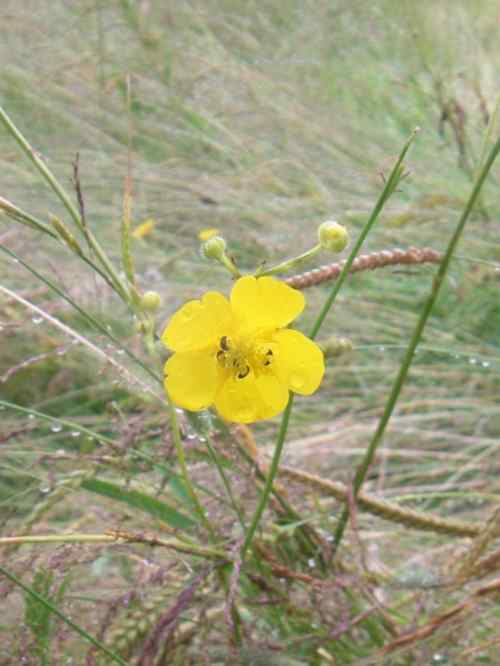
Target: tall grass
[{"x": 260, "y": 119}]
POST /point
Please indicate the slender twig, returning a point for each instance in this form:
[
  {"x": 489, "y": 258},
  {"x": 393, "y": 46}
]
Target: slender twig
[
  {"x": 390, "y": 511},
  {"x": 394, "y": 257},
  {"x": 415, "y": 339}
]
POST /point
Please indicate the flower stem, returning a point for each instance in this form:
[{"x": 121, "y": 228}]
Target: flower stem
[
  {"x": 225, "y": 481},
  {"x": 181, "y": 457},
  {"x": 415, "y": 339},
  {"x": 290, "y": 264},
  {"x": 273, "y": 470}
]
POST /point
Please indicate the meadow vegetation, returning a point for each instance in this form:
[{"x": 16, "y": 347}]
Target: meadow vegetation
[{"x": 261, "y": 119}]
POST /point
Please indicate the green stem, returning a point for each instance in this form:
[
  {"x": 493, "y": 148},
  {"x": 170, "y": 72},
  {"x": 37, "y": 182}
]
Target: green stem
[
  {"x": 66, "y": 201},
  {"x": 229, "y": 264},
  {"x": 49, "y": 606},
  {"x": 290, "y": 264},
  {"x": 181, "y": 457},
  {"x": 215, "y": 460},
  {"x": 415, "y": 339},
  {"x": 28, "y": 220},
  {"x": 273, "y": 470},
  {"x": 389, "y": 188}
]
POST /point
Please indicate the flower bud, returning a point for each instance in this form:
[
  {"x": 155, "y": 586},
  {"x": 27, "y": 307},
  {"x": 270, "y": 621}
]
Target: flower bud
[
  {"x": 214, "y": 248},
  {"x": 205, "y": 234},
  {"x": 150, "y": 301},
  {"x": 333, "y": 236},
  {"x": 333, "y": 346}
]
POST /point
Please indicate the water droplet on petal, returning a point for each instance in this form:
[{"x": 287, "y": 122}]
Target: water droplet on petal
[{"x": 296, "y": 381}]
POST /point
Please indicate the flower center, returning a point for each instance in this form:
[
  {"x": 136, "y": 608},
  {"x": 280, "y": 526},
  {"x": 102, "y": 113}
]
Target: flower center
[{"x": 245, "y": 356}]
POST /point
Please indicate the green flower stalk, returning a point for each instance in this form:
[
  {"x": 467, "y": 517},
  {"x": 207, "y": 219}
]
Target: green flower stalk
[{"x": 214, "y": 248}]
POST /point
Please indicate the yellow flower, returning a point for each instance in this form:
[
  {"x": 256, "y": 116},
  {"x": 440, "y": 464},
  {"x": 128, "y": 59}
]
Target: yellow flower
[
  {"x": 144, "y": 229},
  {"x": 237, "y": 355},
  {"x": 206, "y": 234}
]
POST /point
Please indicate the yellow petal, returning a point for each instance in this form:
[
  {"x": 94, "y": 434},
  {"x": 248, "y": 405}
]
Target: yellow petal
[
  {"x": 265, "y": 303},
  {"x": 274, "y": 395},
  {"x": 191, "y": 379},
  {"x": 198, "y": 324},
  {"x": 205, "y": 234},
  {"x": 252, "y": 398},
  {"x": 144, "y": 229},
  {"x": 299, "y": 362}
]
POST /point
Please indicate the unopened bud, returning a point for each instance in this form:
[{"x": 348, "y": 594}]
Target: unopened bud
[
  {"x": 333, "y": 236},
  {"x": 336, "y": 346},
  {"x": 214, "y": 248},
  {"x": 205, "y": 234},
  {"x": 150, "y": 301}
]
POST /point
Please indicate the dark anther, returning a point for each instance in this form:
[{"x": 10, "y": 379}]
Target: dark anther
[
  {"x": 269, "y": 352},
  {"x": 267, "y": 362},
  {"x": 224, "y": 343},
  {"x": 243, "y": 373},
  {"x": 220, "y": 355}
]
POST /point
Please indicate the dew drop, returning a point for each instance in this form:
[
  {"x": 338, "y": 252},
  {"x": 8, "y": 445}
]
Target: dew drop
[
  {"x": 37, "y": 320},
  {"x": 472, "y": 361},
  {"x": 381, "y": 348},
  {"x": 75, "y": 433},
  {"x": 45, "y": 489},
  {"x": 296, "y": 382},
  {"x": 56, "y": 427},
  {"x": 311, "y": 562},
  {"x": 31, "y": 417},
  {"x": 486, "y": 364}
]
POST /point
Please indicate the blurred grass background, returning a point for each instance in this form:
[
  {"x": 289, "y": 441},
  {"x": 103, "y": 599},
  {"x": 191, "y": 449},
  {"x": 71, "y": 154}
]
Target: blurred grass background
[{"x": 261, "y": 119}]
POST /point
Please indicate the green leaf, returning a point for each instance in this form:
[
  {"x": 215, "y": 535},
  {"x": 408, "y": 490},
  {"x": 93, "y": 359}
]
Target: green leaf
[{"x": 138, "y": 500}]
